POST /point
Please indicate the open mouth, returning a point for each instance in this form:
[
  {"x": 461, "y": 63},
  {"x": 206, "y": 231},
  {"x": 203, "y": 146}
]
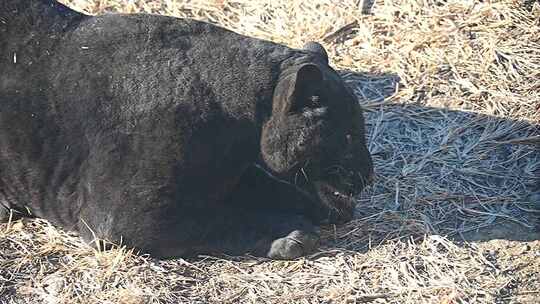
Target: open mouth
[
  {"x": 339, "y": 205},
  {"x": 337, "y": 190},
  {"x": 335, "y": 186}
]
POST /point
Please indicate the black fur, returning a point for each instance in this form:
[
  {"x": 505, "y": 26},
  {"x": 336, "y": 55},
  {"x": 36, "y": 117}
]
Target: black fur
[{"x": 173, "y": 136}]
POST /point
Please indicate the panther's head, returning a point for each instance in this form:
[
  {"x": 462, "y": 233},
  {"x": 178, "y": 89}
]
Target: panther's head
[{"x": 314, "y": 137}]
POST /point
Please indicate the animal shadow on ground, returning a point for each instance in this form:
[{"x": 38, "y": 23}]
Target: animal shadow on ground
[{"x": 459, "y": 174}]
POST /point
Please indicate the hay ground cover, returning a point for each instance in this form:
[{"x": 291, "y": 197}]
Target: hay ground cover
[{"x": 451, "y": 91}]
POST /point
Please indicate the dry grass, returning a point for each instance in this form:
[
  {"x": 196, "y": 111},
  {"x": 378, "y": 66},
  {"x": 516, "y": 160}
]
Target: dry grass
[{"x": 452, "y": 93}]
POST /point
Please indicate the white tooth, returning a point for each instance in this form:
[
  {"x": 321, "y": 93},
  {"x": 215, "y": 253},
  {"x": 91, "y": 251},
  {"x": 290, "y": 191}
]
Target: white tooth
[{"x": 336, "y": 193}]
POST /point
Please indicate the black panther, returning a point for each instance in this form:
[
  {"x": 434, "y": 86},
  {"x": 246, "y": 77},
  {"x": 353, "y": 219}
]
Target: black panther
[{"x": 173, "y": 136}]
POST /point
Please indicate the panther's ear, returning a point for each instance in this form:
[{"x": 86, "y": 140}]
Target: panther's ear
[
  {"x": 307, "y": 87},
  {"x": 318, "y": 49}
]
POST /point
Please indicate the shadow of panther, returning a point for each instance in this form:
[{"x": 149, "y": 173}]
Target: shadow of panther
[{"x": 173, "y": 136}]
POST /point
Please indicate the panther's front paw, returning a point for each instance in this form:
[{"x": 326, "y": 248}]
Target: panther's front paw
[{"x": 298, "y": 243}]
